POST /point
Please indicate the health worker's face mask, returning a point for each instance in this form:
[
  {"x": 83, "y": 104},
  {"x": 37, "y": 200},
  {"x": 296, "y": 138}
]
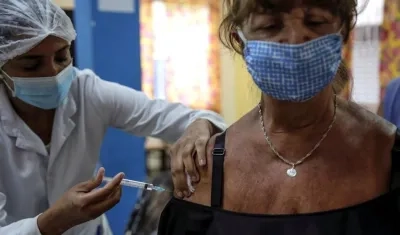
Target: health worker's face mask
[
  {"x": 293, "y": 72},
  {"x": 43, "y": 92}
]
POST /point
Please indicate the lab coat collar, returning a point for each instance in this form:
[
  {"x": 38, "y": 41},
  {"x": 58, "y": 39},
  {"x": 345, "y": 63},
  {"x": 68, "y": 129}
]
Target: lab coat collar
[{"x": 14, "y": 126}]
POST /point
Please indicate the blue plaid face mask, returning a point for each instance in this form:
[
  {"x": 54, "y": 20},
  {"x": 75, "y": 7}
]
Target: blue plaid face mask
[{"x": 293, "y": 72}]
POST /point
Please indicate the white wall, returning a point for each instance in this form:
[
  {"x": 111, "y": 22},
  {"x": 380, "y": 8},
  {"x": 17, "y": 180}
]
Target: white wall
[
  {"x": 365, "y": 67},
  {"x": 366, "y": 53},
  {"x": 370, "y": 12}
]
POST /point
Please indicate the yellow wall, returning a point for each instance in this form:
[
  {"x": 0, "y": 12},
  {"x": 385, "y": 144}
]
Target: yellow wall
[
  {"x": 239, "y": 93},
  {"x": 228, "y": 86},
  {"x": 247, "y": 95},
  {"x": 66, "y": 4}
]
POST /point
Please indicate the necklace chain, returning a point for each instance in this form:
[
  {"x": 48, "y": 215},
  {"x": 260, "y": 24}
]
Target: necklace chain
[{"x": 292, "y": 172}]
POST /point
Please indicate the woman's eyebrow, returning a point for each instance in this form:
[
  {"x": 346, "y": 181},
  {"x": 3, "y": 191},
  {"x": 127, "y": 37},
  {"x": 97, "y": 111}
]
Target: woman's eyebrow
[
  {"x": 64, "y": 48},
  {"x": 29, "y": 57},
  {"x": 319, "y": 11},
  {"x": 34, "y": 57}
]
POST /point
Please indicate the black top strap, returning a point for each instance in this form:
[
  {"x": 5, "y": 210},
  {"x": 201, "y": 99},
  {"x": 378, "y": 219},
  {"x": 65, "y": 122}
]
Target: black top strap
[
  {"x": 396, "y": 162},
  {"x": 217, "y": 185}
]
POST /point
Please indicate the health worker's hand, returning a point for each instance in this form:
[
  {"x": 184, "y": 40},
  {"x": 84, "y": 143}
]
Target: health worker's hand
[
  {"x": 82, "y": 203},
  {"x": 189, "y": 148}
]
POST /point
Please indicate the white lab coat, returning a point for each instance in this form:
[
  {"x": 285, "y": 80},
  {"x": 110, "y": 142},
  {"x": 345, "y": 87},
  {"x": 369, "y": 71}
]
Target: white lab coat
[{"x": 31, "y": 180}]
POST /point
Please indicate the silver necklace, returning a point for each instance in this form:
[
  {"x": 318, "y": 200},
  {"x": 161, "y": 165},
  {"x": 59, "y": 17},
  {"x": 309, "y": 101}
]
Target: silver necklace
[{"x": 292, "y": 172}]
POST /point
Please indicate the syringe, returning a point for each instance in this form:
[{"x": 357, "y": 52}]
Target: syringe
[{"x": 137, "y": 184}]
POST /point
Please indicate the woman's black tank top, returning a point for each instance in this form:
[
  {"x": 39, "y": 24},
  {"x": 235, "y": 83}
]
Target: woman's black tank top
[{"x": 380, "y": 216}]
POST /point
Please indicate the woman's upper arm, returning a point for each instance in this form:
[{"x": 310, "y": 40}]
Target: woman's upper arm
[{"x": 202, "y": 194}]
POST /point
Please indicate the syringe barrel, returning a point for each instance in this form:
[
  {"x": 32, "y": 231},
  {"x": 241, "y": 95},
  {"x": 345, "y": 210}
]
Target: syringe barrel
[
  {"x": 133, "y": 183},
  {"x": 137, "y": 184}
]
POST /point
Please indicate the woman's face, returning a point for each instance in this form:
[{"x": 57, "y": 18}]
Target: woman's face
[
  {"x": 47, "y": 59},
  {"x": 297, "y": 25}
]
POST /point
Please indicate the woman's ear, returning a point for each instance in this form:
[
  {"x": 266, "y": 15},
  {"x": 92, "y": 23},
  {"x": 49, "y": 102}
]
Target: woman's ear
[{"x": 236, "y": 37}]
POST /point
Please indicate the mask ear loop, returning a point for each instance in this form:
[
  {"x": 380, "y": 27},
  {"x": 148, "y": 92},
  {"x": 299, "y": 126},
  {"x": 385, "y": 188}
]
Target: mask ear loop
[
  {"x": 339, "y": 32},
  {"x": 241, "y": 35},
  {"x": 4, "y": 75}
]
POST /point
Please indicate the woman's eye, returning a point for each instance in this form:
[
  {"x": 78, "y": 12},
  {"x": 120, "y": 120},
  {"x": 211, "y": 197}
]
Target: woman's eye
[
  {"x": 62, "y": 59},
  {"x": 315, "y": 22},
  {"x": 63, "y": 56},
  {"x": 269, "y": 27},
  {"x": 31, "y": 68},
  {"x": 272, "y": 26}
]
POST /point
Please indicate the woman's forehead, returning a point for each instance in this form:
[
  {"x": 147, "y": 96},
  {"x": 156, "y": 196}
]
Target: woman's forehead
[
  {"x": 287, "y": 5},
  {"x": 48, "y": 47}
]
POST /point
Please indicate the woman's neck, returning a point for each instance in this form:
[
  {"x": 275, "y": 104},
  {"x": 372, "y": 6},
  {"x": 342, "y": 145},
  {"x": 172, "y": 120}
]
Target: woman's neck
[{"x": 284, "y": 116}]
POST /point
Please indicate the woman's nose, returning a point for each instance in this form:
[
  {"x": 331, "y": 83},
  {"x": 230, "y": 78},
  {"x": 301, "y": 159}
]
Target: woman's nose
[{"x": 295, "y": 34}]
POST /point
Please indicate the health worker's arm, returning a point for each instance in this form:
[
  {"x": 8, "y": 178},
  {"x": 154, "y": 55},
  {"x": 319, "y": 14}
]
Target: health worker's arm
[
  {"x": 26, "y": 226},
  {"x": 132, "y": 111}
]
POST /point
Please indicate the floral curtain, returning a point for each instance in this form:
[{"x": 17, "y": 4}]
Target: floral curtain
[
  {"x": 390, "y": 43},
  {"x": 180, "y": 51}
]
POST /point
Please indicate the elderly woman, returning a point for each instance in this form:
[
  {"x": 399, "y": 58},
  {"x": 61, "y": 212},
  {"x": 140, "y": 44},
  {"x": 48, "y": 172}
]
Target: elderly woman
[
  {"x": 303, "y": 161},
  {"x": 53, "y": 118}
]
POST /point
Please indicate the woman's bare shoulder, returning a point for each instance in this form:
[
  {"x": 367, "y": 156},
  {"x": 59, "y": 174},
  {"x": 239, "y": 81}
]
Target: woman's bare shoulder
[
  {"x": 202, "y": 194},
  {"x": 369, "y": 125}
]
